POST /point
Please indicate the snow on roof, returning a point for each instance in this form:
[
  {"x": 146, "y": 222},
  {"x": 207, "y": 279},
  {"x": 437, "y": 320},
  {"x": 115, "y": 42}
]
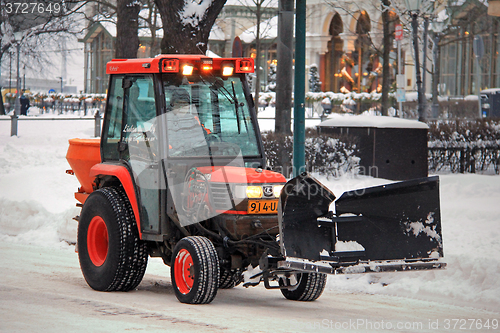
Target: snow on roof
[
  {"x": 216, "y": 33},
  {"x": 109, "y": 26},
  {"x": 251, "y": 3},
  {"x": 491, "y": 91},
  {"x": 372, "y": 121},
  {"x": 212, "y": 54},
  {"x": 470, "y": 98},
  {"x": 268, "y": 30}
]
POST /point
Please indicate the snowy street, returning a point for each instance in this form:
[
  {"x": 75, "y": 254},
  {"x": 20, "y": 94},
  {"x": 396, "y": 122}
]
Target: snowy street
[{"x": 42, "y": 288}]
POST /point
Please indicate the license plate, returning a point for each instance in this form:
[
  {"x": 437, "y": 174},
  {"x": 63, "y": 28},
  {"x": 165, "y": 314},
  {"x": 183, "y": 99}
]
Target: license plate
[{"x": 262, "y": 206}]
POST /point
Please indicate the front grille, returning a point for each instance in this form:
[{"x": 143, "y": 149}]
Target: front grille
[{"x": 220, "y": 196}]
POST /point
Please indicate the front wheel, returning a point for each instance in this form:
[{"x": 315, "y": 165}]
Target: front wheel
[
  {"x": 303, "y": 286},
  {"x": 195, "y": 270}
]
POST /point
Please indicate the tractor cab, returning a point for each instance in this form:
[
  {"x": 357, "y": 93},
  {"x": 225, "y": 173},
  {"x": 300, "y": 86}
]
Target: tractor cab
[{"x": 186, "y": 128}]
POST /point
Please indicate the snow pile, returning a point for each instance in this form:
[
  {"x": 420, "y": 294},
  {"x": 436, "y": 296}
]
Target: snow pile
[
  {"x": 36, "y": 202},
  {"x": 339, "y": 120},
  {"x": 37, "y": 206},
  {"x": 341, "y": 246}
]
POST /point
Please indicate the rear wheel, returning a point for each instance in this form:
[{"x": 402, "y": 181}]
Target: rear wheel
[
  {"x": 112, "y": 257},
  {"x": 195, "y": 270},
  {"x": 305, "y": 286}
]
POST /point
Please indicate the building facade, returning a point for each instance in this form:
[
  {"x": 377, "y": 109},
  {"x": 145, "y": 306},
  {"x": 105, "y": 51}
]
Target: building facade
[
  {"x": 459, "y": 63},
  {"x": 344, "y": 40}
]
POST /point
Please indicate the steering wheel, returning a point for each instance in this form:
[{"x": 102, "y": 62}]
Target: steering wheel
[{"x": 213, "y": 138}]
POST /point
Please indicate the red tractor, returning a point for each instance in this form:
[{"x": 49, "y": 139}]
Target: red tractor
[{"x": 180, "y": 173}]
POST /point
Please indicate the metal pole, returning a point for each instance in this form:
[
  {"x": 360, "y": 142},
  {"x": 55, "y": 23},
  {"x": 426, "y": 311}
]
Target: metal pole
[
  {"x": 97, "y": 124},
  {"x": 17, "y": 107},
  {"x": 478, "y": 47},
  {"x": 300, "y": 89},
  {"x": 2, "y": 108},
  {"x": 400, "y": 72},
  {"x": 284, "y": 80},
  {"x": 62, "y": 97},
  {"x": 414, "y": 24},
  {"x": 435, "y": 78},
  {"x": 424, "y": 63},
  {"x": 284, "y": 70},
  {"x": 478, "y": 80}
]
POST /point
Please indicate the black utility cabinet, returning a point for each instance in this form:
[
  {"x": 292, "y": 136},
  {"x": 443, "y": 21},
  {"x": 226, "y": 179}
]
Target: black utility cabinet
[
  {"x": 390, "y": 148},
  {"x": 490, "y": 103}
]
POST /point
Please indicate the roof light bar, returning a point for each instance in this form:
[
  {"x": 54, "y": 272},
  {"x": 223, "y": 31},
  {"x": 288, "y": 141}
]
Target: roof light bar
[
  {"x": 227, "y": 69},
  {"x": 206, "y": 67},
  {"x": 187, "y": 69},
  {"x": 171, "y": 65},
  {"x": 244, "y": 65}
]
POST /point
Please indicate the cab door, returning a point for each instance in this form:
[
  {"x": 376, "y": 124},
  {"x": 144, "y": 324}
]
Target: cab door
[{"x": 130, "y": 137}]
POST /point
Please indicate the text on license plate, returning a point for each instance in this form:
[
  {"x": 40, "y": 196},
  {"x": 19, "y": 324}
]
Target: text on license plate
[{"x": 263, "y": 206}]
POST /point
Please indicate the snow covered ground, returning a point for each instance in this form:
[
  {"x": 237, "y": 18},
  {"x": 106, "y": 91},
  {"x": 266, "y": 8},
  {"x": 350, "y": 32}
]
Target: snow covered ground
[{"x": 37, "y": 206}]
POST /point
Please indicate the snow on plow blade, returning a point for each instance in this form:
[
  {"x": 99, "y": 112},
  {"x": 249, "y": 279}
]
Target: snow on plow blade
[{"x": 384, "y": 228}]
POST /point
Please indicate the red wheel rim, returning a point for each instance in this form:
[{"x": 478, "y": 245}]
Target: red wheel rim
[
  {"x": 97, "y": 241},
  {"x": 184, "y": 271}
]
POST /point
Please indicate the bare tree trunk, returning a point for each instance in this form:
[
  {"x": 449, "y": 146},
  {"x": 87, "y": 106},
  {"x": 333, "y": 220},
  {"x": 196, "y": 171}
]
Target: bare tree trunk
[
  {"x": 127, "y": 25},
  {"x": 2, "y": 108},
  {"x": 189, "y": 35},
  {"x": 153, "y": 25},
  {"x": 257, "y": 55},
  {"x": 385, "y": 57}
]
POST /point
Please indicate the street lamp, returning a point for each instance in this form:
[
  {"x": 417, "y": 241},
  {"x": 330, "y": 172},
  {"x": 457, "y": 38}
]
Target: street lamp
[
  {"x": 18, "y": 36},
  {"x": 414, "y": 10},
  {"x": 437, "y": 27}
]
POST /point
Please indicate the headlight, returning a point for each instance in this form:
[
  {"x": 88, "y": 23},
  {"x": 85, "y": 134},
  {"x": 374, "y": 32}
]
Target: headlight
[
  {"x": 254, "y": 192},
  {"x": 277, "y": 190}
]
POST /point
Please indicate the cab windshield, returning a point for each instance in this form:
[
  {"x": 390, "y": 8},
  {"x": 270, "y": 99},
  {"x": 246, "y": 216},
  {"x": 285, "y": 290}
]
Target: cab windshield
[{"x": 208, "y": 116}]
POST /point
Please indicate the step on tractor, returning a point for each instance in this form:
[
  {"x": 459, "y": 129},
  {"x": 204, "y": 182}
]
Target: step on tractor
[{"x": 180, "y": 173}]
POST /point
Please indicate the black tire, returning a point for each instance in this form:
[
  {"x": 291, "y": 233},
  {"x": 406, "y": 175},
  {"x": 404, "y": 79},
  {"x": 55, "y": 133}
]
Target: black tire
[
  {"x": 112, "y": 257},
  {"x": 229, "y": 278},
  {"x": 195, "y": 270},
  {"x": 309, "y": 287}
]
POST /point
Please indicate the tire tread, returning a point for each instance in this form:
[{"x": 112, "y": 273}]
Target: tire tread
[
  {"x": 310, "y": 288},
  {"x": 132, "y": 253},
  {"x": 208, "y": 270}
]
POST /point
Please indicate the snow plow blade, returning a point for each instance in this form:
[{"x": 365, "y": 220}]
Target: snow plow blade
[{"x": 391, "y": 227}]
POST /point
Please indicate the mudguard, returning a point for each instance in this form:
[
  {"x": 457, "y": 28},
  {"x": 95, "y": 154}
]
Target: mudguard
[{"x": 123, "y": 175}]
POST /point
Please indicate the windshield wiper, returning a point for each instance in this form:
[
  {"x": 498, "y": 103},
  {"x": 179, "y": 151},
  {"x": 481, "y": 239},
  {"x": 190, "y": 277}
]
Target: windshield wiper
[
  {"x": 219, "y": 86},
  {"x": 236, "y": 108}
]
